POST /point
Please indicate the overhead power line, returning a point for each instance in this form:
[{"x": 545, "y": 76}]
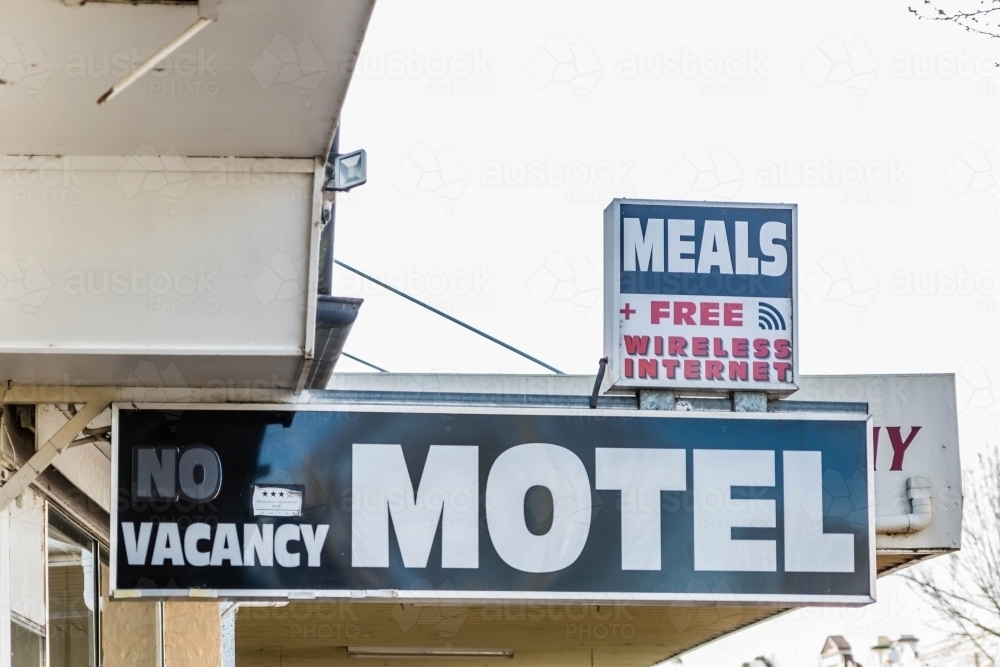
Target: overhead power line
[
  {"x": 362, "y": 361},
  {"x": 449, "y": 317}
]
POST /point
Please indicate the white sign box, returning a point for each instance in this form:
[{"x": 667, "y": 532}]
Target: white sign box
[
  {"x": 177, "y": 272},
  {"x": 701, "y": 295},
  {"x": 915, "y": 435}
]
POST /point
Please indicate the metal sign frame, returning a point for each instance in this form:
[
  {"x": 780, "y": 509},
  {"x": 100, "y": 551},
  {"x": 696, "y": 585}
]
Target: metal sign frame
[
  {"x": 487, "y": 597},
  {"x": 613, "y": 303}
]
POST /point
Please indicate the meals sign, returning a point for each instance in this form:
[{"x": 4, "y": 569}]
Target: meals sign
[{"x": 701, "y": 295}]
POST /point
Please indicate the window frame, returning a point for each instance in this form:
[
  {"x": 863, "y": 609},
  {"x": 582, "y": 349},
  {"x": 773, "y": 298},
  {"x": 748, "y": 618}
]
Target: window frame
[{"x": 75, "y": 531}]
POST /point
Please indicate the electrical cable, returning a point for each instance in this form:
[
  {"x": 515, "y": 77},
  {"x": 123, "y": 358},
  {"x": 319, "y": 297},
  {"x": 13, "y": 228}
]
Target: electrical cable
[
  {"x": 362, "y": 361},
  {"x": 449, "y": 317}
]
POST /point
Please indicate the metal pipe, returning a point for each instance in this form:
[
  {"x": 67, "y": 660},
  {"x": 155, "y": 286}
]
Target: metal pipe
[
  {"x": 87, "y": 440},
  {"x": 155, "y": 59},
  {"x": 325, "y": 285},
  {"x": 920, "y": 492},
  {"x": 19, "y": 394}
]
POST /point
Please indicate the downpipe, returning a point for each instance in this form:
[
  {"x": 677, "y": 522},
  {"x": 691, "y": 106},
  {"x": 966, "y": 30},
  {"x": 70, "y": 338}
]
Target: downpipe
[{"x": 920, "y": 492}]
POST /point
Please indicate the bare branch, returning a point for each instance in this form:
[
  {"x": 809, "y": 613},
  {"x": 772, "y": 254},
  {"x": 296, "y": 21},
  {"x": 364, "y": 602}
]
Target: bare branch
[
  {"x": 983, "y": 20},
  {"x": 965, "y": 588}
]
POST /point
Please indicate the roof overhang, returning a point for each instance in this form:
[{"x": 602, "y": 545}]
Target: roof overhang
[
  {"x": 540, "y": 635},
  {"x": 268, "y": 78}
]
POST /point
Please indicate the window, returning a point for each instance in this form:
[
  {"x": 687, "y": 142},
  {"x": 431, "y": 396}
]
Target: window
[
  {"x": 25, "y": 580},
  {"x": 73, "y": 599},
  {"x": 27, "y": 643}
]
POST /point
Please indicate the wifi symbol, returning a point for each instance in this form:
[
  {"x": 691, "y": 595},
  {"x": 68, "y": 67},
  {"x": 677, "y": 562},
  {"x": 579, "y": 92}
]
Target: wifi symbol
[{"x": 769, "y": 317}]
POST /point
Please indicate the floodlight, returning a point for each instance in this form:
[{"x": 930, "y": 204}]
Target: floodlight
[{"x": 349, "y": 171}]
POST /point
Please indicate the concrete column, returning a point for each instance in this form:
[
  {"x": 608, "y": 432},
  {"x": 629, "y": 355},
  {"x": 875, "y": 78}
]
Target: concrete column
[
  {"x": 228, "y": 631},
  {"x": 192, "y": 634},
  {"x": 130, "y": 634},
  {"x": 187, "y": 635}
]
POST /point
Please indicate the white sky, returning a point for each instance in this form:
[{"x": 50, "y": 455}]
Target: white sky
[{"x": 881, "y": 127}]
